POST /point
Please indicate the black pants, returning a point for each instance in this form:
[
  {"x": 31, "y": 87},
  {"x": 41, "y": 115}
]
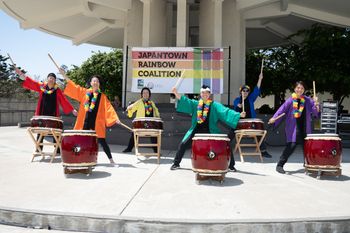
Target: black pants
[
  {"x": 182, "y": 149},
  {"x": 41, "y": 141},
  {"x": 132, "y": 143},
  {"x": 105, "y": 147},
  {"x": 289, "y": 149}
]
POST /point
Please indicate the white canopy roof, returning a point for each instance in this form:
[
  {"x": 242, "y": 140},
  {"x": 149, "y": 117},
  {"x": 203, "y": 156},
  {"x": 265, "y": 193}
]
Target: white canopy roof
[{"x": 102, "y": 22}]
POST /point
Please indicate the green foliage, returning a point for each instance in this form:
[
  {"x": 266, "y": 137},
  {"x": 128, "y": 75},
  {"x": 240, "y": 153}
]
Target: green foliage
[
  {"x": 278, "y": 70},
  {"x": 10, "y": 85},
  {"x": 108, "y": 65},
  {"x": 323, "y": 57}
]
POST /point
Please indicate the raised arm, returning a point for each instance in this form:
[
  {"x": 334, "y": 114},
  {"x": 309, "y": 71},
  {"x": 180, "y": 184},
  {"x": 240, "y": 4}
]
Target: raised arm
[
  {"x": 174, "y": 91},
  {"x": 20, "y": 73},
  {"x": 261, "y": 76},
  {"x": 63, "y": 73}
]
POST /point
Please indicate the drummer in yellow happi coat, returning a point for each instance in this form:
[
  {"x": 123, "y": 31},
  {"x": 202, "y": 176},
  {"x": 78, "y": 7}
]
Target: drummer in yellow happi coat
[{"x": 143, "y": 107}]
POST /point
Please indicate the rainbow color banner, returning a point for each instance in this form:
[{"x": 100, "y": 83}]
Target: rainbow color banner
[{"x": 159, "y": 68}]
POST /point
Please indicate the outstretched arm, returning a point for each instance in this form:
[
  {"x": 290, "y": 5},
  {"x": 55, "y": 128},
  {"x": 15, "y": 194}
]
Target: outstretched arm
[
  {"x": 63, "y": 73},
  {"x": 174, "y": 91},
  {"x": 20, "y": 73},
  {"x": 261, "y": 76}
]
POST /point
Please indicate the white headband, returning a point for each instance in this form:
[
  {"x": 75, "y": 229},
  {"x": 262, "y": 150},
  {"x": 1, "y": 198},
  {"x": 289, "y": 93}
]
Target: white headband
[{"x": 205, "y": 89}]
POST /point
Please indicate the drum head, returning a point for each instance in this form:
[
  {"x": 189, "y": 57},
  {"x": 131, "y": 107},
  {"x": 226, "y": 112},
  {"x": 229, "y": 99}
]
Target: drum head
[
  {"x": 203, "y": 136},
  {"x": 147, "y": 119},
  {"x": 80, "y": 131},
  {"x": 251, "y": 120},
  {"x": 46, "y": 118},
  {"x": 323, "y": 135}
]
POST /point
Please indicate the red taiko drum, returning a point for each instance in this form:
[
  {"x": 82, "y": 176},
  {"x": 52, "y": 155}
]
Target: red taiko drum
[
  {"x": 322, "y": 150},
  {"x": 79, "y": 148},
  {"x": 210, "y": 154},
  {"x": 46, "y": 122},
  {"x": 250, "y": 123},
  {"x": 147, "y": 123}
]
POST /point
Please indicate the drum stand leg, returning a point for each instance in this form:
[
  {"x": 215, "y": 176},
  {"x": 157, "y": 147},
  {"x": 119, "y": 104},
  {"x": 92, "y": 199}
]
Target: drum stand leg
[
  {"x": 37, "y": 150},
  {"x": 57, "y": 144},
  {"x": 319, "y": 173}
]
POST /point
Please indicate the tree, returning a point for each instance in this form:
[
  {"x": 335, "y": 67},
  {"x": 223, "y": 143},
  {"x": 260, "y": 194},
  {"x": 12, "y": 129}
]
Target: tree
[
  {"x": 278, "y": 70},
  {"x": 108, "y": 65},
  {"x": 323, "y": 56},
  {"x": 10, "y": 85}
]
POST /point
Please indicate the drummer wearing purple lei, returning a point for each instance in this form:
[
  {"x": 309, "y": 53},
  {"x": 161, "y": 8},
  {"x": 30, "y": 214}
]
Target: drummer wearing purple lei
[
  {"x": 50, "y": 97},
  {"x": 249, "y": 99},
  {"x": 143, "y": 107},
  {"x": 298, "y": 110},
  {"x": 205, "y": 116}
]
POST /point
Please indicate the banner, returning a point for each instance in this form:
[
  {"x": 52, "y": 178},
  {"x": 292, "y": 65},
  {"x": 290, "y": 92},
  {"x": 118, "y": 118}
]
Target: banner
[{"x": 160, "y": 68}]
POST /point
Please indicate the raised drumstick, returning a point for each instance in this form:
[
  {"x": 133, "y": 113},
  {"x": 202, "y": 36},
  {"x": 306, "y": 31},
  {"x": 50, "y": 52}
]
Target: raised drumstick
[
  {"x": 11, "y": 60},
  {"x": 314, "y": 86},
  {"x": 242, "y": 103},
  {"x": 262, "y": 65},
  {"x": 21, "y": 75},
  {"x": 179, "y": 80},
  {"x": 53, "y": 61}
]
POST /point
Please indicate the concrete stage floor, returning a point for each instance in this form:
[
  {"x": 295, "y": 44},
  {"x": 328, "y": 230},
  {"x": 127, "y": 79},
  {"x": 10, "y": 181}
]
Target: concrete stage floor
[{"x": 141, "y": 196}]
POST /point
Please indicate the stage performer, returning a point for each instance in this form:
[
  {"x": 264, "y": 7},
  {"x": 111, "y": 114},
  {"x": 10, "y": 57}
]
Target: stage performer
[
  {"x": 50, "y": 97},
  {"x": 205, "y": 115},
  {"x": 143, "y": 107},
  {"x": 249, "y": 99},
  {"x": 95, "y": 110},
  {"x": 298, "y": 110}
]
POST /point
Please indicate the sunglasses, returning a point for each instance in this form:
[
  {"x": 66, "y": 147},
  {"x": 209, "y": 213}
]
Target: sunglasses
[{"x": 245, "y": 90}]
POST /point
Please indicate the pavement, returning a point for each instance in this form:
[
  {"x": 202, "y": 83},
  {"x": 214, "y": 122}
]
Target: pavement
[{"x": 140, "y": 195}]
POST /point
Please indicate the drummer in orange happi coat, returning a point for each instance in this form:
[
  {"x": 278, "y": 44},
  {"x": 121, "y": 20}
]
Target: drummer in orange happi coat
[{"x": 95, "y": 110}]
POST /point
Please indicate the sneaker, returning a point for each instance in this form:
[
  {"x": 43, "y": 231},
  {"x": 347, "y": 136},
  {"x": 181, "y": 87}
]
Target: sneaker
[
  {"x": 280, "y": 169},
  {"x": 232, "y": 169},
  {"x": 266, "y": 154},
  {"x": 112, "y": 161},
  {"x": 174, "y": 166},
  {"x": 126, "y": 150}
]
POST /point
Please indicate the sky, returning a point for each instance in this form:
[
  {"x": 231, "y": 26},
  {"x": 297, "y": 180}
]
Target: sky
[{"x": 29, "y": 48}]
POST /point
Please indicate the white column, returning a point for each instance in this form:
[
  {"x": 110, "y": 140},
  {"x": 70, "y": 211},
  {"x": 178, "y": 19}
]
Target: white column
[
  {"x": 181, "y": 30},
  {"x": 234, "y": 35},
  {"x": 146, "y": 22},
  {"x": 169, "y": 31},
  {"x": 218, "y": 23}
]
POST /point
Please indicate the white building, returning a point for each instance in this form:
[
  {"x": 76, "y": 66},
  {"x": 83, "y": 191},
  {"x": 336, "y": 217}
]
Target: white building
[{"x": 240, "y": 24}]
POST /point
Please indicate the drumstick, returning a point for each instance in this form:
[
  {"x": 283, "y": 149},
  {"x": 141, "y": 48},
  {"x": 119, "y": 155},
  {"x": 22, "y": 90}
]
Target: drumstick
[
  {"x": 125, "y": 126},
  {"x": 54, "y": 62},
  {"x": 242, "y": 102},
  {"x": 11, "y": 60},
  {"x": 278, "y": 117},
  {"x": 21, "y": 76},
  {"x": 179, "y": 80},
  {"x": 262, "y": 65},
  {"x": 314, "y": 86}
]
